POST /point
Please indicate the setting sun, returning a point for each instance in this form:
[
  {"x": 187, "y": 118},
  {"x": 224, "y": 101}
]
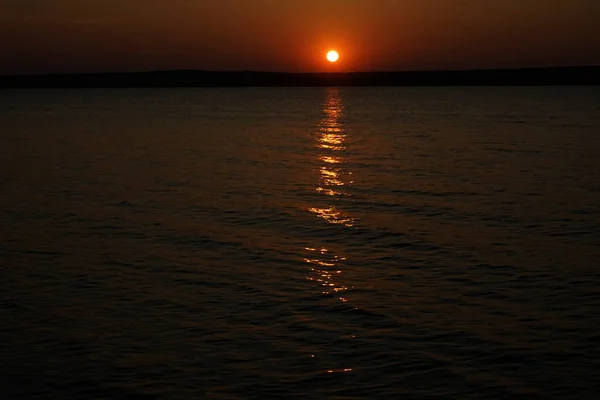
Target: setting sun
[{"x": 333, "y": 56}]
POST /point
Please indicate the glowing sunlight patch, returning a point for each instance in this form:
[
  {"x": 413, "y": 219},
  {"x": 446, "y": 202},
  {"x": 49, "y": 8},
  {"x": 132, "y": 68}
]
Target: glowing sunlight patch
[{"x": 333, "y": 56}]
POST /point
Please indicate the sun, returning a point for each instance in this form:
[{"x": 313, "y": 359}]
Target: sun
[{"x": 332, "y": 56}]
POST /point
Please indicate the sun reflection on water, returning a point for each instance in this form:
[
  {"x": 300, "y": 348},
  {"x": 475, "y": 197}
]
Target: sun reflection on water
[
  {"x": 333, "y": 181},
  {"x": 327, "y": 264},
  {"x": 325, "y": 268},
  {"x": 331, "y": 139}
]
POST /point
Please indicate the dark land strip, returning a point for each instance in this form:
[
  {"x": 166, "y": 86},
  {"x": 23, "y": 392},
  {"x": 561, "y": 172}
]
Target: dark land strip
[{"x": 196, "y": 78}]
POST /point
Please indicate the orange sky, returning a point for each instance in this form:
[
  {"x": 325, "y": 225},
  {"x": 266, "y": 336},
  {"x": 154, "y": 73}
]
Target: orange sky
[{"x": 282, "y": 35}]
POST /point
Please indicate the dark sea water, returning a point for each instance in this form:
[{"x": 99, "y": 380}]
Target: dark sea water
[{"x": 310, "y": 243}]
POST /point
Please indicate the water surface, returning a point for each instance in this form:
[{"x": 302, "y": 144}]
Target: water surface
[{"x": 300, "y": 243}]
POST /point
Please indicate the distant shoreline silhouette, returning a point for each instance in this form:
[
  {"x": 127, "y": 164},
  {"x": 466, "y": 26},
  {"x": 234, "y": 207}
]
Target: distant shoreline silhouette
[{"x": 540, "y": 76}]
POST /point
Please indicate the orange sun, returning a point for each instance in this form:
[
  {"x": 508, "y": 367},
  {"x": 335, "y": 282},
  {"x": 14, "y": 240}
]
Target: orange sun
[{"x": 333, "y": 56}]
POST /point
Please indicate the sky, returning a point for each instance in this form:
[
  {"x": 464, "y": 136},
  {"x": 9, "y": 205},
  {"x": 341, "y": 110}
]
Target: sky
[{"x": 49, "y": 36}]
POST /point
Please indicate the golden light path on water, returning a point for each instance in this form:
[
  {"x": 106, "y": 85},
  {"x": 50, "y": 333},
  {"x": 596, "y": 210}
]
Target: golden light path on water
[
  {"x": 331, "y": 140},
  {"x": 327, "y": 267}
]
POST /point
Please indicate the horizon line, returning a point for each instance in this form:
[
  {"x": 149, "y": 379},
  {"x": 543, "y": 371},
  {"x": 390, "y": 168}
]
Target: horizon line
[{"x": 251, "y": 71}]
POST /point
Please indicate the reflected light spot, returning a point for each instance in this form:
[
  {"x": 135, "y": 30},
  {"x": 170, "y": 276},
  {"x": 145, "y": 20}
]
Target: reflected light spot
[
  {"x": 329, "y": 173},
  {"x": 331, "y": 138},
  {"x": 330, "y": 147},
  {"x": 339, "y": 370},
  {"x": 328, "y": 192},
  {"x": 331, "y": 160},
  {"x": 333, "y": 216}
]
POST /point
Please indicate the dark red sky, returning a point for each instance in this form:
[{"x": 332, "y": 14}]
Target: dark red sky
[{"x": 286, "y": 35}]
